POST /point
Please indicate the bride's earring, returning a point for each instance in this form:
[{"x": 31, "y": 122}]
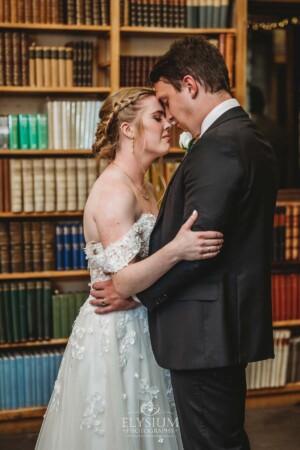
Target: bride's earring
[{"x": 132, "y": 150}]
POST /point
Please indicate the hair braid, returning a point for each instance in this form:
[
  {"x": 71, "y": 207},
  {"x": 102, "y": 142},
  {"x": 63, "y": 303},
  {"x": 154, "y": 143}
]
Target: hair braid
[{"x": 117, "y": 108}]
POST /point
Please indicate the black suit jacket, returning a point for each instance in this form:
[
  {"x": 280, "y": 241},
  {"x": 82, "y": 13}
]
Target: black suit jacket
[{"x": 217, "y": 312}]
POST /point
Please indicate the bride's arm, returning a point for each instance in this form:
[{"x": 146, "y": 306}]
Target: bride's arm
[{"x": 118, "y": 216}]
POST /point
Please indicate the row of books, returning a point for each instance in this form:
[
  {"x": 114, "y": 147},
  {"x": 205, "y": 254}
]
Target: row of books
[
  {"x": 283, "y": 369},
  {"x": 67, "y": 66},
  {"x": 286, "y": 234},
  {"x": 134, "y": 70},
  {"x": 50, "y": 66},
  {"x": 72, "y": 124},
  {"x": 40, "y": 246},
  {"x": 24, "y": 131},
  {"x": 29, "y": 311},
  {"x": 14, "y": 65},
  {"x": 178, "y": 13},
  {"x": 65, "y": 308},
  {"x": 45, "y": 185},
  {"x": 81, "y": 12},
  {"x": 27, "y": 379},
  {"x": 286, "y": 296}
]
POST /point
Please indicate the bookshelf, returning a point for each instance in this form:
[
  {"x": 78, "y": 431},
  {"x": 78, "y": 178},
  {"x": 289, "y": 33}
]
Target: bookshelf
[{"x": 112, "y": 41}]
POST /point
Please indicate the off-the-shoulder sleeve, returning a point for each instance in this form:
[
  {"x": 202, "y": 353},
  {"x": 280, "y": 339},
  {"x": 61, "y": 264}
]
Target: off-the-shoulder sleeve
[{"x": 119, "y": 254}]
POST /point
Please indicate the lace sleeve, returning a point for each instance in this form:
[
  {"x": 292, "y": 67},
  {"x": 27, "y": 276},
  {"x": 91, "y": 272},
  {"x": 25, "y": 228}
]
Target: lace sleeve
[{"x": 119, "y": 254}]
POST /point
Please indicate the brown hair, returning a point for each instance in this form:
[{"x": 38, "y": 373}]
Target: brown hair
[
  {"x": 194, "y": 56},
  {"x": 122, "y": 106}
]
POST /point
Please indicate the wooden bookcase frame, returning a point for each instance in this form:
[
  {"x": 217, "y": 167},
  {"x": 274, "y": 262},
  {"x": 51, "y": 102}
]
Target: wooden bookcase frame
[{"x": 19, "y": 420}]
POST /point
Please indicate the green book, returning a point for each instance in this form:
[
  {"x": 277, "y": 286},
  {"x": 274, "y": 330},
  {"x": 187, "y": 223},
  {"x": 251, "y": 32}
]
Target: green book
[
  {"x": 23, "y": 132},
  {"x": 72, "y": 310},
  {"x": 56, "y": 316},
  {"x": 47, "y": 309},
  {"x": 13, "y": 125},
  {"x": 14, "y": 298},
  {"x": 31, "y": 311},
  {"x": 80, "y": 299},
  {"x": 64, "y": 311},
  {"x": 39, "y": 310},
  {"x": 42, "y": 131},
  {"x": 7, "y": 312},
  {"x": 32, "y": 131},
  {"x": 22, "y": 309}
]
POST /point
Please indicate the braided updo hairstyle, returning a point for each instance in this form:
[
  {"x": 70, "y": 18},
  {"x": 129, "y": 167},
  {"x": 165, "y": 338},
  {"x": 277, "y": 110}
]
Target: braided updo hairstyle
[{"x": 122, "y": 106}]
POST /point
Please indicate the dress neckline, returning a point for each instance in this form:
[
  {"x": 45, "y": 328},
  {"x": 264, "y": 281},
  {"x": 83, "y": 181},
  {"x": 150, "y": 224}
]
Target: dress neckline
[{"x": 95, "y": 244}]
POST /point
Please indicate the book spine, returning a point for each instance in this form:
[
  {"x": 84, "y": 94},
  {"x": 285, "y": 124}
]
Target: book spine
[
  {"x": 42, "y": 131},
  {"x": 16, "y": 196},
  {"x": 47, "y": 309},
  {"x": 13, "y": 125}
]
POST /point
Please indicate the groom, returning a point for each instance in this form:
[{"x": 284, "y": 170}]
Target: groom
[{"x": 208, "y": 319}]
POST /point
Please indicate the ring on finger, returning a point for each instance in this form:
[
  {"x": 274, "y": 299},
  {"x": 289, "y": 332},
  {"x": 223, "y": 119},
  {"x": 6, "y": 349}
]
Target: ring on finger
[{"x": 103, "y": 303}]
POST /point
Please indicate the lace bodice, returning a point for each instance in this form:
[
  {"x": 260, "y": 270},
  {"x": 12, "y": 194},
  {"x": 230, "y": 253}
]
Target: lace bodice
[{"x": 119, "y": 254}]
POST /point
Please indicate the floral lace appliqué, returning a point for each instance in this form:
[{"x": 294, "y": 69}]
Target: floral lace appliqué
[
  {"x": 96, "y": 407},
  {"x": 119, "y": 254}
]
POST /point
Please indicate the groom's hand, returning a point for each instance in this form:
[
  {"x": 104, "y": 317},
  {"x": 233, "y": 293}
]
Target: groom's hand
[{"x": 107, "y": 300}]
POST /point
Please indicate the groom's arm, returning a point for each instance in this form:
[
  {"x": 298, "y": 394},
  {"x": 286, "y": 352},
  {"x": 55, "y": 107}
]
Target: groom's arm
[{"x": 213, "y": 179}]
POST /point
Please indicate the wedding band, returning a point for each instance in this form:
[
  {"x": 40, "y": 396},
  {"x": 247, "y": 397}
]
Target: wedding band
[
  {"x": 103, "y": 303},
  {"x": 208, "y": 249}
]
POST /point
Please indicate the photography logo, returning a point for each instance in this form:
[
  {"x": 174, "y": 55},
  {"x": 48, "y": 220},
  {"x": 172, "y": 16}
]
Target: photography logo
[{"x": 150, "y": 420}]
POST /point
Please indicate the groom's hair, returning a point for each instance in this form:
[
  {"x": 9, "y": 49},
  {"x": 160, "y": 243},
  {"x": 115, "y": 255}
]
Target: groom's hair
[{"x": 194, "y": 56}]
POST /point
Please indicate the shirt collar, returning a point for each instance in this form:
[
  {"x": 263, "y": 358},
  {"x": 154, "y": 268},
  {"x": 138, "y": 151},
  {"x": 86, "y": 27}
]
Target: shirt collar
[{"x": 217, "y": 112}]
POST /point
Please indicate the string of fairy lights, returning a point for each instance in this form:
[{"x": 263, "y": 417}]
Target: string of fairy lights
[{"x": 276, "y": 24}]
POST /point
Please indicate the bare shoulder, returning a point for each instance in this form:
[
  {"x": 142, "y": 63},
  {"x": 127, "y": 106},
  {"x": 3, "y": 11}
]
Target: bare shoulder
[{"x": 111, "y": 206}]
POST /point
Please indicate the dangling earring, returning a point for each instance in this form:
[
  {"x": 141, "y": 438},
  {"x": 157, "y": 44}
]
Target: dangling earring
[{"x": 132, "y": 150}]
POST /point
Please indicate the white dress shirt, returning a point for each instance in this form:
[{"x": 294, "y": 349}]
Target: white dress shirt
[{"x": 217, "y": 112}]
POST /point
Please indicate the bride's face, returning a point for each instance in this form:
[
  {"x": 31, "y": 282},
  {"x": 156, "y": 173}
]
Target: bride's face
[{"x": 155, "y": 129}]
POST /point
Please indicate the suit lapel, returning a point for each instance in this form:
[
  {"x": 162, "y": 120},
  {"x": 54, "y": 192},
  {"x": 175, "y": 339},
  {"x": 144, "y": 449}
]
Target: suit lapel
[{"x": 228, "y": 115}]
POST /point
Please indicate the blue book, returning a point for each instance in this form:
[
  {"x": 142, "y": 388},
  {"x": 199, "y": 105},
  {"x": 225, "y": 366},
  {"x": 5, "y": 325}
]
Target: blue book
[
  {"x": 27, "y": 379},
  {"x": 13, "y": 382},
  {"x": 82, "y": 258},
  {"x": 45, "y": 378},
  {"x": 59, "y": 247},
  {"x": 6, "y": 377},
  {"x": 33, "y": 380},
  {"x": 20, "y": 380},
  {"x": 2, "y": 387},
  {"x": 75, "y": 246},
  {"x": 38, "y": 380},
  {"x": 66, "y": 247},
  {"x": 224, "y": 13},
  {"x": 52, "y": 372}
]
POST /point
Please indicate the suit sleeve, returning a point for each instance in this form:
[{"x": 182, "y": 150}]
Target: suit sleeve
[{"x": 213, "y": 179}]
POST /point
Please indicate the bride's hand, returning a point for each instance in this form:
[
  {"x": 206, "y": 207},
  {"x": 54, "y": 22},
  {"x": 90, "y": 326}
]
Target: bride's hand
[{"x": 192, "y": 245}]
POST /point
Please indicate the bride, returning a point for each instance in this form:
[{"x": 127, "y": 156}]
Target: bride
[{"x": 110, "y": 394}]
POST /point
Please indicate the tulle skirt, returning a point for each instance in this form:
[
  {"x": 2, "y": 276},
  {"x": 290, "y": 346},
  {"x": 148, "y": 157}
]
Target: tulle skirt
[{"x": 110, "y": 394}]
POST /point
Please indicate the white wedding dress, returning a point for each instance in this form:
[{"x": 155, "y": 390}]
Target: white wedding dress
[{"x": 110, "y": 394}]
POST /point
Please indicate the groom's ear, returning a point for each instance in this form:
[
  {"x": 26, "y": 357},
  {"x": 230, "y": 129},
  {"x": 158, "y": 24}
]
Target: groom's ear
[{"x": 191, "y": 85}]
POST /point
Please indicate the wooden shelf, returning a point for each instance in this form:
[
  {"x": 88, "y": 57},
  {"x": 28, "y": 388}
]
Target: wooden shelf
[
  {"x": 286, "y": 323},
  {"x": 46, "y": 274},
  {"x": 45, "y": 27},
  {"x": 31, "y": 344},
  {"x": 34, "y": 215},
  {"x": 22, "y": 413},
  {"x": 174, "y": 31},
  {"x": 285, "y": 266},
  {"x": 20, "y": 153},
  {"x": 54, "y": 90},
  {"x": 270, "y": 397}
]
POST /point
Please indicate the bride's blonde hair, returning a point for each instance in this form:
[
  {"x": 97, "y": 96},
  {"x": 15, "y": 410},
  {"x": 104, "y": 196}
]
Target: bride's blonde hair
[{"x": 122, "y": 106}]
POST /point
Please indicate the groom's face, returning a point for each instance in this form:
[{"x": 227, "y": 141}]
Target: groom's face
[{"x": 177, "y": 104}]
